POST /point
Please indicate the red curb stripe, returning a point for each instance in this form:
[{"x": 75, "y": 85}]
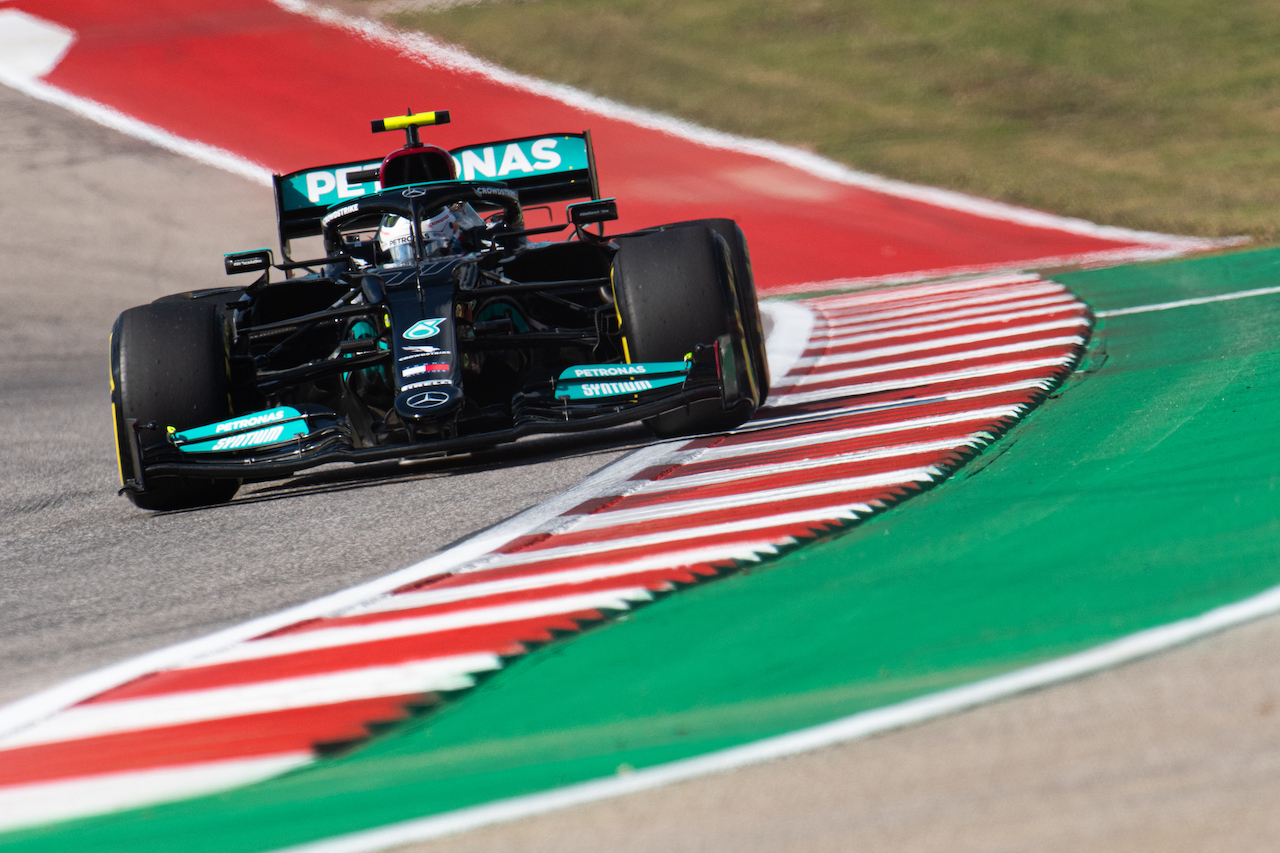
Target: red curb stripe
[
  {"x": 745, "y": 478},
  {"x": 294, "y": 730}
]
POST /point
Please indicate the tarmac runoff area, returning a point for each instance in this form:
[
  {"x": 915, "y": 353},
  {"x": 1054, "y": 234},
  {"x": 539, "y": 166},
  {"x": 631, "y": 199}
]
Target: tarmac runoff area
[
  {"x": 1169, "y": 499},
  {"x": 1176, "y": 753},
  {"x": 1118, "y": 473},
  {"x": 94, "y": 222},
  {"x": 1180, "y": 759},
  {"x": 1143, "y": 493}
]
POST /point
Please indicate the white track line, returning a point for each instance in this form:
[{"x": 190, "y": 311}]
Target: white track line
[
  {"x": 31, "y": 47},
  {"x": 854, "y": 727},
  {"x": 1183, "y": 303},
  {"x": 431, "y": 52},
  {"x": 1111, "y": 257},
  {"x": 26, "y": 712},
  {"x": 614, "y": 478},
  {"x": 45, "y": 802},
  {"x": 790, "y": 320}
]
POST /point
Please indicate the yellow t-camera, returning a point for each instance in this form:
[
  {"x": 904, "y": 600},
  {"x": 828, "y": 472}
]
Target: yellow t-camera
[{"x": 407, "y": 121}]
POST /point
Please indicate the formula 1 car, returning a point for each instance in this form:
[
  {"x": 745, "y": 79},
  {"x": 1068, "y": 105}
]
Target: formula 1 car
[{"x": 434, "y": 324}]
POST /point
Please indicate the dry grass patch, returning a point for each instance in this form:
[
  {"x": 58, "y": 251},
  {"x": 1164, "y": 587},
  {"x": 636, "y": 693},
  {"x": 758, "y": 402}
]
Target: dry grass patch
[{"x": 1160, "y": 115}]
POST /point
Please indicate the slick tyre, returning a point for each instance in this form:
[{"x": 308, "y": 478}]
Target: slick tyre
[
  {"x": 674, "y": 290},
  {"x": 169, "y": 365},
  {"x": 745, "y": 286}
]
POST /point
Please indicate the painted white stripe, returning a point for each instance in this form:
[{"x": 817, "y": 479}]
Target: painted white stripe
[
  {"x": 191, "y": 706},
  {"x": 988, "y": 299},
  {"x": 853, "y": 727},
  {"x": 1184, "y": 303},
  {"x": 1026, "y": 288},
  {"x": 799, "y": 395},
  {"x": 843, "y": 337},
  {"x": 326, "y": 638},
  {"x": 820, "y": 417},
  {"x": 612, "y": 479},
  {"x": 955, "y": 396},
  {"x": 45, "y": 802},
  {"x": 1128, "y": 254},
  {"x": 911, "y": 318},
  {"x": 432, "y": 52},
  {"x": 678, "y": 506},
  {"x": 688, "y": 534},
  {"x": 30, "y": 47},
  {"x": 750, "y": 472},
  {"x": 791, "y": 328},
  {"x": 960, "y": 340},
  {"x": 539, "y": 580},
  {"x": 118, "y": 121},
  {"x": 920, "y": 290},
  {"x": 487, "y": 589},
  {"x": 827, "y": 369},
  {"x": 743, "y": 550},
  {"x": 987, "y": 415}
]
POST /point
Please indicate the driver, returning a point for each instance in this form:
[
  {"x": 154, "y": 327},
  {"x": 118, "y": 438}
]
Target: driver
[{"x": 450, "y": 231}]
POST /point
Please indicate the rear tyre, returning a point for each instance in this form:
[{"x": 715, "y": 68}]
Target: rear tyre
[
  {"x": 169, "y": 364},
  {"x": 674, "y": 290}
]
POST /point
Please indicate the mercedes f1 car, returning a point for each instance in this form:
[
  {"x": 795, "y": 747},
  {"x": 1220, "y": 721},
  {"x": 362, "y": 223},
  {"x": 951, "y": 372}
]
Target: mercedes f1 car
[{"x": 436, "y": 322}]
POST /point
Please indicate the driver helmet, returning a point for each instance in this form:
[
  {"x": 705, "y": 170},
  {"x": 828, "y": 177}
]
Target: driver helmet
[
  {"x": 395, "y": 236},
  {"x": 439, "y": 233}
]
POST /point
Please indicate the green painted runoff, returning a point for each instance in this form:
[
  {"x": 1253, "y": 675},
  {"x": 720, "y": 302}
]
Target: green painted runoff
[{"x": 1143, "y": 491}]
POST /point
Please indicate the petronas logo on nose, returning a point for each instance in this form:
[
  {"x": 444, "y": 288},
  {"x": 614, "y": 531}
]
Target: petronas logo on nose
[{"x": 424, "y": 329}]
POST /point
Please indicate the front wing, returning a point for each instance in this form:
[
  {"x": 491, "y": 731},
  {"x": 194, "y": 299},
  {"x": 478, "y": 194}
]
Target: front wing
[{"x": 302, "y": 439}]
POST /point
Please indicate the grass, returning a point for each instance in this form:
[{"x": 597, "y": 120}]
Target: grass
[{"x": 1155, "y": 114}]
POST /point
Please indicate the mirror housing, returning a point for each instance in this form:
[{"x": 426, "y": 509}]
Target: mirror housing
[{"x": 255, "y": 261}]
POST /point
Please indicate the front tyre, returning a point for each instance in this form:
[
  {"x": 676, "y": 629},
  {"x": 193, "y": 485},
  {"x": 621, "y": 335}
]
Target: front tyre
[
  {"x": 745, "y": 287},
  {"x": 674, "y": 290},
  {"x": 169, "y": 364}
]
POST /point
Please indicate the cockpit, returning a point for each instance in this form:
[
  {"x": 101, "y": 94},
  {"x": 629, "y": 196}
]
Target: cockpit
[{"x": 451, "y": 230}]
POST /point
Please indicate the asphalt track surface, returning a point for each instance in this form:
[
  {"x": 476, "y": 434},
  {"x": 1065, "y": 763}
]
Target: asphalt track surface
[
  {"x": 92, "y": 223},
  {"x": 269, "y": 82},
  {"x": 89, "y": 580},
  {"x": 1179, "y": 753}
]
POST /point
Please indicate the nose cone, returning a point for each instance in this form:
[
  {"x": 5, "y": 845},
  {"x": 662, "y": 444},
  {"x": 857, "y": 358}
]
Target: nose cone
[{"x": 432, "y": 403}]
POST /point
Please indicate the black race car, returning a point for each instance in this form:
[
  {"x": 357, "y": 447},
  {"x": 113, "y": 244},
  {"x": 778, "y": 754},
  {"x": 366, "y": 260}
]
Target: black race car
[{"x": 436, "y": 322}]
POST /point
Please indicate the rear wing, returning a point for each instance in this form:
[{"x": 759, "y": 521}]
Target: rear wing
[{"x": 541, "y": 169}]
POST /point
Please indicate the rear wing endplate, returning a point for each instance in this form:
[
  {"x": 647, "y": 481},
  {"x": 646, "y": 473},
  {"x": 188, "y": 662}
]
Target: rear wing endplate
[{"x": 541, "y": 169}]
